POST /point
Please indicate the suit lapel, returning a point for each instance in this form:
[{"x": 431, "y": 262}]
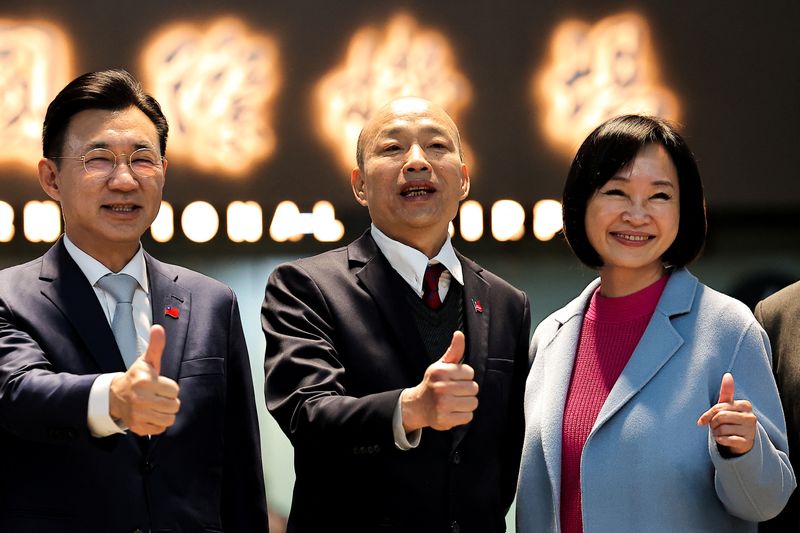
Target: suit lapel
[
  {"x": 166, "y": 295},
  {"x": 476, "y": 297},
  {"x": 70, "y": 292},
  {"x": 386, "y": 288}
]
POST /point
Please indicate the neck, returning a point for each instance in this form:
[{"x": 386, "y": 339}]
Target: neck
[
  {"x": 113, "y": 256},
  {"x": 428, "y": 241},
  {"x": 616, "y": 282}
]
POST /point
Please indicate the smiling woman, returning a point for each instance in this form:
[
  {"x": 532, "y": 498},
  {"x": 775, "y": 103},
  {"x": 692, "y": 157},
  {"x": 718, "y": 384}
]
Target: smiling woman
[
  {"x": 621, "y": 374},
  {"x": 633, "y": 219}
]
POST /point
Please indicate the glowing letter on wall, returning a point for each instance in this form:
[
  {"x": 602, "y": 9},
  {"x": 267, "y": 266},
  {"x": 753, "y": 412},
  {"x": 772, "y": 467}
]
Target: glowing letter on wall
[
  {"x": 471, "y": 220},
  {"x": 400, "y": 60},
  {"x": 35, "y": 63},
  {"x": 546, "y": 219},
  {"x": 324, "y": 224},
  {"x": 285, "y": 222},
  {"x": 163, "y": 227},
  {"x": 216, "y": 87},
  {"x": 596, "y": 72},
  {"x": 200, "y": 221},
  {"x": 6, "y": 222},
  {"x": 508, "y": 220},
  {"x": 245, "y": 222},
  {"x": 41, "y": 221}
]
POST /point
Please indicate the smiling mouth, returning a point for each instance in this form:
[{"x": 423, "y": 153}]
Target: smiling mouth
[
  {"x": 417, "y": 191},
  {"x": 121, "y": 208},
  {"x": 633, "y": 238}
]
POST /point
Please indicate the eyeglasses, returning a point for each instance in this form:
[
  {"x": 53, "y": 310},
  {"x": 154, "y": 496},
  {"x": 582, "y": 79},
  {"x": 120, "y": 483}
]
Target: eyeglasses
[{"x": 101, "y": 162}]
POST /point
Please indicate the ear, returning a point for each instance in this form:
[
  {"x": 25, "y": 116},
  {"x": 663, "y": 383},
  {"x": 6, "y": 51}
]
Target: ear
[
  {"x": 358, "y": 185},
  {"x": 464, "y": 181},
  {"x": 48, "y": 178}
]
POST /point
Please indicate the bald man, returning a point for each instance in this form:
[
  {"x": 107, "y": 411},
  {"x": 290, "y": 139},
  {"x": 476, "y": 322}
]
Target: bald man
[{"x": 395, "y": 365}]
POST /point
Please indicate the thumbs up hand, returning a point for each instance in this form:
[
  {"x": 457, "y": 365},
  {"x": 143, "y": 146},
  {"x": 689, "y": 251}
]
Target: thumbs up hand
[
  {"x": 141, "y": 398},
  {"x": 447, "y": 395},
  {"x": 732, "y": 422}
]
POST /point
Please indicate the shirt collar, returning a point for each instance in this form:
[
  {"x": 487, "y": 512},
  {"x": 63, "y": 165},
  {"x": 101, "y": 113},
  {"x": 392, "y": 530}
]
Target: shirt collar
[
  {"x": 94, "y": 269},
  {"x": 410, "y": 263}
]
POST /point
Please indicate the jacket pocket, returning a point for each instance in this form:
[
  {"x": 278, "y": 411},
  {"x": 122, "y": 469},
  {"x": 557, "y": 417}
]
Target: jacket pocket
[
  {"x": 500, "y": 365},
  {"x": 201, "y": 367}
]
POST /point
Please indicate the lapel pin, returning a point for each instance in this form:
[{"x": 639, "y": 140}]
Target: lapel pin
[
  {"x": 174, "y": 312},
  {"x": 477, "y": 305}
]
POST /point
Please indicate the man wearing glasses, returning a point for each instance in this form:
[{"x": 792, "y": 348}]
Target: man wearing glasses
[{"x": 126, "y": 400}]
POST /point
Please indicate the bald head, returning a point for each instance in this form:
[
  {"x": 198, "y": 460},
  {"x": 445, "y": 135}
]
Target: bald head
[{"x": 408, "y": 108}]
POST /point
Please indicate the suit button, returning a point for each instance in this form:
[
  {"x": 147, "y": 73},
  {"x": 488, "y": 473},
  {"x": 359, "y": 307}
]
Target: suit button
[
  {"x": 455, "y": 527},
  {"x": 148, "y": 467},
  {"x": 456, "y": 460}
]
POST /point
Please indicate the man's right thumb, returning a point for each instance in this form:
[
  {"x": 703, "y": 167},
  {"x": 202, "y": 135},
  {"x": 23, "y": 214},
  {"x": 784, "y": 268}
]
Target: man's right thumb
[
  {"x": 156, "y": 347},
  {"x": 455, "y": 352}
]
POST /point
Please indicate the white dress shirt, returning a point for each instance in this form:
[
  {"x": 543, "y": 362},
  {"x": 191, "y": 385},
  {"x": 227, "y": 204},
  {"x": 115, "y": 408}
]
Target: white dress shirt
[
  {"x": 100, "y": 422},
  {"x": 410, "y": 263}
]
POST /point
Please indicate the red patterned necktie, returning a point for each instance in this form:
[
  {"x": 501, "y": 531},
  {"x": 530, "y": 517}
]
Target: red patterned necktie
[{"x": 430, "y": 285}]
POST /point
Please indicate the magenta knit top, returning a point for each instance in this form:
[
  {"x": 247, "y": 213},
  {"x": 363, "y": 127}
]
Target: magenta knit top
[{"x": 610, "y": 332}]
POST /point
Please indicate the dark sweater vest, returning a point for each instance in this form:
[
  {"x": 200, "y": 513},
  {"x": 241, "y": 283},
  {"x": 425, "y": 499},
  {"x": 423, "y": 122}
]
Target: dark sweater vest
[{"x": 436, "y": 327}]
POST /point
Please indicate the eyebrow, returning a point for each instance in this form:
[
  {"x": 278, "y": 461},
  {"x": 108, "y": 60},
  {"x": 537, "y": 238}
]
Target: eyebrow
[
  {"x": 103, "y": 144},
  {"x": 431, "y": 130},
  {"x": 661, "y": 183}
]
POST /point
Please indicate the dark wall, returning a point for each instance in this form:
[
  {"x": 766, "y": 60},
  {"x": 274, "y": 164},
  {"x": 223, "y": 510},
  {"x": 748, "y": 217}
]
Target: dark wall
[{"x": 733, "y": 64}]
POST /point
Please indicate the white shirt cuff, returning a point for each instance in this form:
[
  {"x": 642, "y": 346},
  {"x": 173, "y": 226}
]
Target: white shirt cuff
[
  {"x": 403, "y": 441},
  {"x": 100, "y": 422}
]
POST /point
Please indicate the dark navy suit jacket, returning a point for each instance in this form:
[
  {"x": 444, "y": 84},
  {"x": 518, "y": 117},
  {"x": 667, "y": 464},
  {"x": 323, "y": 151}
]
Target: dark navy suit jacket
[
  {"x": 203, "y": 474},
  {"x": 342, "y": 343}
]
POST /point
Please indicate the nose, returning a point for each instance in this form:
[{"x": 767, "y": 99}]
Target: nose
[
  {"x": 416, "y": 161},
  {"x": 122, "y": 178},
  {"x": 636, "y": 213}
]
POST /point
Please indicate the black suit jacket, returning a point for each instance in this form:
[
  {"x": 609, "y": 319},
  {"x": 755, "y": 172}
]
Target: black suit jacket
[
  {"x": 341, "y": 345},
  {"x": 203, "y": 474},
  {"x": 780, "y": 316}
]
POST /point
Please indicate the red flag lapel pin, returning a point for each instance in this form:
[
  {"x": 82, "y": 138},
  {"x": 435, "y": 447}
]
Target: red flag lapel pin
[
  {"x": 174, "y": 312},
  {"x": 477, "y": 305}
]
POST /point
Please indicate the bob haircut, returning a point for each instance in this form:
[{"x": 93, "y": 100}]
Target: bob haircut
[
  {"x": 610, "y": 147},
  {"x": 110, "y": 90}
]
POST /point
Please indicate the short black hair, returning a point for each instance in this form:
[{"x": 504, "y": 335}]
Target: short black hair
[
  {"x": 111, "y": 90},
  {"x": 610, "y": 147}
]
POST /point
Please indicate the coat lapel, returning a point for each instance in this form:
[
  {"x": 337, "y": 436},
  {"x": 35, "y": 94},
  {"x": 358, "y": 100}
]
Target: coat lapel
[
  {"x": 477, "y": 294},
  {"x": 385, "y": 286},
  {"x": 166, "y": 295},
  {"x": 658, "y": 344},
  {"x": 70, "y": 292},
  {"x": 558, "y": 357}
]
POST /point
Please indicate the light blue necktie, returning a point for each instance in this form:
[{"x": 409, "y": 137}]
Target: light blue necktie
[{"x": 122, "y": 287}]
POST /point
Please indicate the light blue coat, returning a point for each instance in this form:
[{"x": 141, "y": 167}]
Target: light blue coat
[{"x": 646, "y": 465}]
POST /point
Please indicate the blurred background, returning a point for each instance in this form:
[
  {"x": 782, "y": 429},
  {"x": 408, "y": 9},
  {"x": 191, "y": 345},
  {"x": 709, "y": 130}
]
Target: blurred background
[{"x": 265, "y": 101}]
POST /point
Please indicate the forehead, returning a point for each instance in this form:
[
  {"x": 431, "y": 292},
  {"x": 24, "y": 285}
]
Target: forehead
[
  {"x": 652, "y": 162},
  {"x": 120, "y": 128},
  {"x": 407, "y": 116}
]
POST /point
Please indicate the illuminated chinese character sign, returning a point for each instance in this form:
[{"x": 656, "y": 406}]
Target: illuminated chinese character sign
[
  {"x": 216, "y": 86},
  {"x": 35, "y": 63},
  {"x": 403, "y": 59},
  {"x": 597, "y": 72}
]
